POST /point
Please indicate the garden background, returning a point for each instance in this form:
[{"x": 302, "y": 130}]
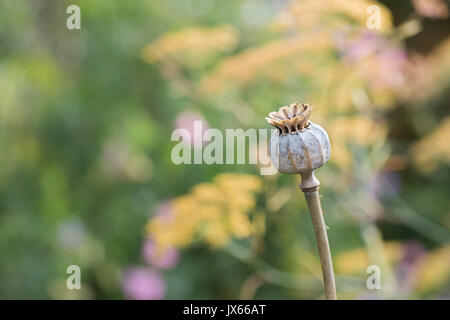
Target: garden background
[{"x": 86, "y": 176}]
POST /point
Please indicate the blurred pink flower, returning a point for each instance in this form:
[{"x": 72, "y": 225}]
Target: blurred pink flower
[
  {"x": 141, "y": 283},
  {"x": 389, "y": 62},
  {"x": 163, "y": 210},
  {"x": 436, "y": 9},
  {"x": 366, "y": 43},
  {"x": 164, "y": 260},
  {"x": 392, "y": 68},
  {"x": 190, "y": 121}
]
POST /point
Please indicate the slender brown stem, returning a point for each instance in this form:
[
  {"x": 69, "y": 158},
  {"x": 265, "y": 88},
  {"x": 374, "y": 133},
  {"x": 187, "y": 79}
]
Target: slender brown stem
[{"x": 310, "y": 187}]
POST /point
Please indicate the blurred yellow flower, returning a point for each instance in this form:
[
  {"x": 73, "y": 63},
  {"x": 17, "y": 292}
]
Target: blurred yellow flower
[
  {"x": 211, "y": 212},
  {"x": 433, "y": 270},
  {"x": 191, "y": 42},
  {"x": 357, "y": 260},
  {"x": 357, "y": 130},
  {"x": 264, "y": 61},
  {"x": 434, "y": 149},
  {"x": 306, "y": 14}
]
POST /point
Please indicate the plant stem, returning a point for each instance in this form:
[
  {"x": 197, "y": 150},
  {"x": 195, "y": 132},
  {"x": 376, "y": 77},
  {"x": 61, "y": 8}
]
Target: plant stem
[
  {"x": 310, "y": 187},
  {"x": 286, "y": 279}
]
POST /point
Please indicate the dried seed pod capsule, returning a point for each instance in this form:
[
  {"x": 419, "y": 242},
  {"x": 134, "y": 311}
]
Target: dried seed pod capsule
[
  {"x": 301, "y": 151},
  {"x": 300, "y": 145}
]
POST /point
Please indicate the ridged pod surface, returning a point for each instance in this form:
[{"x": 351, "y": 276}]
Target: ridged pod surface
[{"x": 300, "y": 151}]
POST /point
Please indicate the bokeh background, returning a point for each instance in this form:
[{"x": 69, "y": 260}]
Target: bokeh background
[{"x": 86, "y": 176}]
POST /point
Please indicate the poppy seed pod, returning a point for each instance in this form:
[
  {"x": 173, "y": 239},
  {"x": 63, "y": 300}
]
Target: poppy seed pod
[{"x": 300, "y": 146}]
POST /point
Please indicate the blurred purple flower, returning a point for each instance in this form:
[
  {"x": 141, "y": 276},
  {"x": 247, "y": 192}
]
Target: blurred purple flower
[
  {"x": 413, "y": 250},
  {"x": 186, "y": 120},
  {"x": 386, "y": 184},
  {"x": 163, "y": 260},
  {"x": 141, "y": 283},
  {"x": 406, "y": 269}
]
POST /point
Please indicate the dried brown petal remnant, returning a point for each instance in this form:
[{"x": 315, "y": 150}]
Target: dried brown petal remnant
[{"x": 290, "y": 119}]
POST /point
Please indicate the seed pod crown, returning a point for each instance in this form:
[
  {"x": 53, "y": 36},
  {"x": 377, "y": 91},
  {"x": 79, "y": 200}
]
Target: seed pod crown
[{"x": 290, "y": 119}]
